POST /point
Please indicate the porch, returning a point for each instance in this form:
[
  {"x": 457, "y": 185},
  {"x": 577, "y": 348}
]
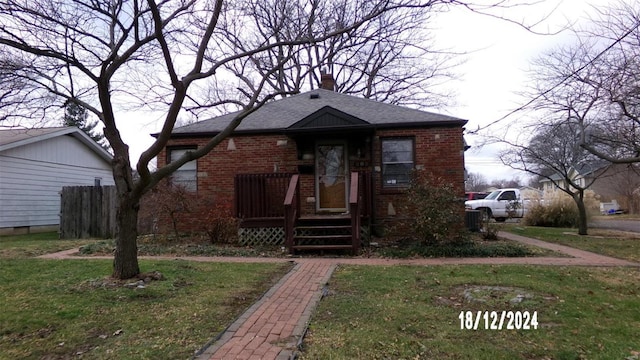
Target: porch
[{"x": 270, "y": 211}]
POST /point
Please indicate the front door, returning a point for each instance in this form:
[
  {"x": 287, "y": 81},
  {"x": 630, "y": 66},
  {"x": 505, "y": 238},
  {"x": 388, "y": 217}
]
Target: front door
[{"x": 331, "y": 177}]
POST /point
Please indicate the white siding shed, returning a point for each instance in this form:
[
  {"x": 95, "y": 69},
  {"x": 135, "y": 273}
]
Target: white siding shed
[{"x": 34, "y": 166}]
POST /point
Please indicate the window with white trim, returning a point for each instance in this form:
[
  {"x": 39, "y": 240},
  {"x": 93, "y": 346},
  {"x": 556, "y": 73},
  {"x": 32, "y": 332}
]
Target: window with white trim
[
  {"x": 186, "y": 175},
  {"x": 397, "y": 162}
]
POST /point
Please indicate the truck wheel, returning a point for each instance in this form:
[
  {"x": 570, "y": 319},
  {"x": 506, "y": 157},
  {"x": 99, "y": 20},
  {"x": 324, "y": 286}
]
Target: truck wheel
[{"x": 501, "y": 219}]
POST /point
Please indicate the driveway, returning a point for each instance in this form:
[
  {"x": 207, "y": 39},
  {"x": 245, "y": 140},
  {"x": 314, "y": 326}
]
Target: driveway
[{"x": 614, "y": 224}]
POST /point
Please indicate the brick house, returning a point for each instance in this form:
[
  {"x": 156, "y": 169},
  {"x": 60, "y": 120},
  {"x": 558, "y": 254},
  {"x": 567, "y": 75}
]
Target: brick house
[{"x": 310, "y": 170}]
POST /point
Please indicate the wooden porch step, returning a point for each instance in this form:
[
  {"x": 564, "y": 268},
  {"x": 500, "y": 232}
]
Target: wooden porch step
[
  {"x": 322, "y": 247},
  {"x": 322, "y": 237},
  {"x": 324, "y": 227},
  {"x": 320, "y": 217}
]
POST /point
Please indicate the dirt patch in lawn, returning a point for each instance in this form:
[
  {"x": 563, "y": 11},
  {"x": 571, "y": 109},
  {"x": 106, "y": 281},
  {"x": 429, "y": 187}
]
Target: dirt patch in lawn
[{"x": 482, "y": 297}]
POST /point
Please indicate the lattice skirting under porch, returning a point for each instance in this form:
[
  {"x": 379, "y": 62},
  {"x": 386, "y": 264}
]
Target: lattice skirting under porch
[{"x": 261, "y": 236}]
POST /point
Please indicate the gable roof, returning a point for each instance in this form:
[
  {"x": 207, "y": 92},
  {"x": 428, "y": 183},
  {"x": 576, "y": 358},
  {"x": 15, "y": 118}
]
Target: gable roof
[
  {"x": 12, "y": 138},
  {"x": 292, "y": 111}
]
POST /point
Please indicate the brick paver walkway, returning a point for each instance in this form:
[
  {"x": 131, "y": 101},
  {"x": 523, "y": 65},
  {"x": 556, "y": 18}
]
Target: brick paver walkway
[{"x": 273, "y": 327}]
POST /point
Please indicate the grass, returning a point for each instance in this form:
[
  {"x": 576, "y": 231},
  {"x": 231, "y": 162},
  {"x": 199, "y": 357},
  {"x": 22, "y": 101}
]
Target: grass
[
  {"x": 408, "y": 312},
  {"x": 31, "y": 245},
  {"x": 472, "y": 248},
  {"x": 67, "y": 308},
  {"x": 622, "y": 245}
]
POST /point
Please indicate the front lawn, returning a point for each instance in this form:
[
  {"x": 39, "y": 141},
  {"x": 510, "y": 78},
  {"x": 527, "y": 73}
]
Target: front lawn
[
  {"x": 409, "y": 312},
  {"x": 63, "y": 309},
  {"x": 622, "y": 245},
  {"x": 31, "y": 245}
]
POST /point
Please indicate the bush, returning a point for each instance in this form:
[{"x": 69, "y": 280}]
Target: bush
[
  {"x": 561, "y": 212},
  {"x": 164, "y": 209},
  {"x": 434, "y": 211},
  {"x": 221, "y": 226}
]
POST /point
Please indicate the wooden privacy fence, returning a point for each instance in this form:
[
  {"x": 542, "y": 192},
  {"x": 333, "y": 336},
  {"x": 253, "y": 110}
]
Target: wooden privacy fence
[{"x": 88, "y": 212}]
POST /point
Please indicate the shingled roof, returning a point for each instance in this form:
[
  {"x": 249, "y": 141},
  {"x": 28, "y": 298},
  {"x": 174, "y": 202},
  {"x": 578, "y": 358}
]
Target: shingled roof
[{"x": 282, "y": 114}]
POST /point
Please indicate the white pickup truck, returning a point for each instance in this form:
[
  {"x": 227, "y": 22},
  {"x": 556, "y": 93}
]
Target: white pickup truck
[{"x": 500, "y": 205}]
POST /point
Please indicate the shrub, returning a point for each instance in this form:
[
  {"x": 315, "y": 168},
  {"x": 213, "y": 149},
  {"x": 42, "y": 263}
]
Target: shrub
[
  {"x": 164, "y": 209},
  {"x": 489, "y": 231},
  {"x": 434, "y": 211},
  {"x": 561, "y": 212},
  {"x": 221, "y": 226}
]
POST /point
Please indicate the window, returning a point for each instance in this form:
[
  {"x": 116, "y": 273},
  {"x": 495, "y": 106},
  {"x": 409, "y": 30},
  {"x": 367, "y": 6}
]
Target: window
[
  {"x": 186, "y": 175},
  {"x": 508, "y": 195},
  {"x": 397, "y": 162}
]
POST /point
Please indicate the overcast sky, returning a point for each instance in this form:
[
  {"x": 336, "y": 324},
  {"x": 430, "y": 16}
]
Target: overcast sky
[
  {"x": 494, "y": 73},
  {"x": 495, "y": 69}
]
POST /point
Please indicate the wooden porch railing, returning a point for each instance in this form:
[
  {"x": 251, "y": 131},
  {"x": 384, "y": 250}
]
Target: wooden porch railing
[
  {"x": 365, "y": 187},
  {"x": 260, "y": 195},
  {"x": 291, "y": 209},
  {"x": 354, "y": 210}
]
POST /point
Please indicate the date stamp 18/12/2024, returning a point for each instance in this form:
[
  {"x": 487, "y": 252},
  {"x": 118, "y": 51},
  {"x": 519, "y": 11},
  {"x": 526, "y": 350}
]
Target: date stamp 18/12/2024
[{"x": 498, "y": 320}]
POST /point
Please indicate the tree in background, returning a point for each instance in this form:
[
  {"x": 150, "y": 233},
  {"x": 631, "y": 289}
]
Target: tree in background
[
  {"x": 76, "y": 115},
  {"x": 475, "y": 182},
  {"x": 554, "y": 153},
  {"x": 593, "y": 84},
  {"x": 506, "y": 183},
  {"x": 391, "y": 58}
]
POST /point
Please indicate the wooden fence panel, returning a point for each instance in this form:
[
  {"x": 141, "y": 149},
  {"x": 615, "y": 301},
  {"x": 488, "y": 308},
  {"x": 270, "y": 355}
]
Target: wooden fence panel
[{"x": 87, "y": 212}]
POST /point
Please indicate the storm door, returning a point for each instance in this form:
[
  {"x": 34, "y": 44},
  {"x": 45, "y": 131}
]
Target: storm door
[{"x": 331, "y": 177}]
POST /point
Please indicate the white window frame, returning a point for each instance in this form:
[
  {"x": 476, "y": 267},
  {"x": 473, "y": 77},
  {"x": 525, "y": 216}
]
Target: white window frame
[
  {"x": 187, "y": 174},
  {"x": 389, "y": 181}
]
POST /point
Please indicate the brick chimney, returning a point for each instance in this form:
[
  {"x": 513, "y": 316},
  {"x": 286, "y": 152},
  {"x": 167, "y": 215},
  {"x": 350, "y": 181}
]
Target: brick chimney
[{"x": 327, "y": 82}]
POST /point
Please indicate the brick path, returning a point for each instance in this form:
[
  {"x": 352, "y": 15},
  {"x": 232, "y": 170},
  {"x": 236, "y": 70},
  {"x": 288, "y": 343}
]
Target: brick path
[{"x": 274, "y": 326}]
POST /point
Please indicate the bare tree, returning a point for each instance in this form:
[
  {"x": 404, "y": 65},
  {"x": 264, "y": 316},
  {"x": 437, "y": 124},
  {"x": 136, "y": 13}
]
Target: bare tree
[
  {"x": 594, "y": 83},
  {"x": 391, "y": 58},
  {"x": 113, "y": 56},
  {"x": 475, "y": 182},
  {"x": 554, "y": 153}
]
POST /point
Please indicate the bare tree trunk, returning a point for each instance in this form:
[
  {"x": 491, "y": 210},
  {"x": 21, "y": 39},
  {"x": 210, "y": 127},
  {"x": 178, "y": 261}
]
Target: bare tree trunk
[
  {"x": 582, "y": 213},
  {"x": 125, "y": 262}
]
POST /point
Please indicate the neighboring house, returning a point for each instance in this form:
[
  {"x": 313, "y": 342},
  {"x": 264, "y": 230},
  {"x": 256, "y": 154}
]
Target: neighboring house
[
  {"x": 346, "y": 161},
  {"x": 34, "y": 166},
  {"x": 620, "y": 182},
  {"x": 530, "y": 193},
  {"x": 556, "y": 182},
  {"x": 608, "y": 182},
  {"x": 583, "y": 176}
]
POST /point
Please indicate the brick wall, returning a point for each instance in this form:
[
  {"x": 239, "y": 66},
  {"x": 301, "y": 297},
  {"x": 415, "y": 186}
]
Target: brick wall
[{"x": 437, "y": 150}]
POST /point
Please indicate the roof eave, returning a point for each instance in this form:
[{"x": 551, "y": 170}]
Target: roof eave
[
  {"x": 71, "y": 131},
  {"x": 371, "y": 127}
]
